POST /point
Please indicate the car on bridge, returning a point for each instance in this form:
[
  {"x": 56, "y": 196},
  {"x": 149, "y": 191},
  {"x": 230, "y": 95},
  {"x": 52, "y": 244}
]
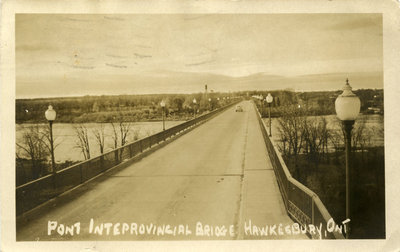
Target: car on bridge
[{"x": 238, "y": 108}]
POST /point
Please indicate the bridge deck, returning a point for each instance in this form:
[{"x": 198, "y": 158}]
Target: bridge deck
[{"x": 218, "y": 174}]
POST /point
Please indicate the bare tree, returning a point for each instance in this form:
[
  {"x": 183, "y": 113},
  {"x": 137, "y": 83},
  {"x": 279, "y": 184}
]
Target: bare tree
[
  {"x": 315, "y": 135},
  {"x": 124, "y": 128},
  {"x": 115, "y": 135},
  {"x": 358, "y": 133},
  {"x": 325, "y": 134},
  {"x": 362, "y": 136},
  {"x": 291, "y": 125},
  {"x": 121, "y": 132},
  {"x": 336, "y": 138},
  {"x": 99, "y": 135},
  {"x": 135, "y": 134},
  {"x": 83, "y": 140},
  {"x": 34, "y": 146}
]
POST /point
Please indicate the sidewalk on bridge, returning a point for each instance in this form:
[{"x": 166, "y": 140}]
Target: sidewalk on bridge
[{"x": 262, "y": 203}]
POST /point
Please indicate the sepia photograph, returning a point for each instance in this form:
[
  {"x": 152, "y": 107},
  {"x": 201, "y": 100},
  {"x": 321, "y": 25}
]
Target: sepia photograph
[
  {"x": 199, "y": 126},
  {"x": 214, "y": 126}
]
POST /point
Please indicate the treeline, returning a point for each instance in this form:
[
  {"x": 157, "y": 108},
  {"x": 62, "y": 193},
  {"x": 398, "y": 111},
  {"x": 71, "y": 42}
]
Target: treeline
[
  {"x": 106, "y": 108},
  {"x": 319, "y": 102}
]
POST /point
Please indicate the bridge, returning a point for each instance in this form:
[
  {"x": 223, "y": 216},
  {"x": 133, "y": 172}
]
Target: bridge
[{"x": 217, "y": 179}]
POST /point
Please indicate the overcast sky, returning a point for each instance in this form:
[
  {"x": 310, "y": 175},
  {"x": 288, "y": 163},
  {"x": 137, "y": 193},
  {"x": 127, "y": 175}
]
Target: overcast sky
[{"x": 64, "y": 55}]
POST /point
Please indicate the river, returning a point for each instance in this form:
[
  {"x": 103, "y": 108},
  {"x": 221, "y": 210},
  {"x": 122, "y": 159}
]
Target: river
[{"x": 65, "y": 137}]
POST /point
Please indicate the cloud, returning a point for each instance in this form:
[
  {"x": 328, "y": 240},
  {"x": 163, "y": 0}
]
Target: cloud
[
  {"x": 116, "y": 56},
  {"x": 114, "y": 65},
  {"x": 233, "y": 45},
  {"x": 114, "y": 18},
  {"x": 200, "y": 63},
  {"x": 142, "y": 55}
]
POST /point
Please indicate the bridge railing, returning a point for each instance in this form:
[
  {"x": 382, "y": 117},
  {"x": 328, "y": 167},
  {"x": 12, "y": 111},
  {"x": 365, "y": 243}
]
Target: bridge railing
[
  {"x": 38, "y": 191},
  {"x": 302, "y": 204}
]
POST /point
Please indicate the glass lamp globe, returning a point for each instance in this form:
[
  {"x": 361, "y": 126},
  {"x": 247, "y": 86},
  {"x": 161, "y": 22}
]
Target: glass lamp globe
[
  {"x": 50, "y": 114},
  {"x": 347, "y": 105},
  {"x": 162, "y": 103},
  {"x": 194, "y": 100},
  {"x": 209, "y": 99},
  {"x": 269, "y": 98}
]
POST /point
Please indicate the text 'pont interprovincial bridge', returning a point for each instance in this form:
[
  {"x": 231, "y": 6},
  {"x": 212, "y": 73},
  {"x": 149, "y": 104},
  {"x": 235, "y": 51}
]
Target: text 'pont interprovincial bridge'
[{"x": 217, "y": 176}]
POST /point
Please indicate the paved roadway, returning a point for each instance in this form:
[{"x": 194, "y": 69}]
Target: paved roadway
[{"x": 218, "y": 175}]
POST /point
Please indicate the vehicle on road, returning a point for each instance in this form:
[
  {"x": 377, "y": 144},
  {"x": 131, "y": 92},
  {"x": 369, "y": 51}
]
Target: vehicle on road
[{"x": 238, "y": 108}]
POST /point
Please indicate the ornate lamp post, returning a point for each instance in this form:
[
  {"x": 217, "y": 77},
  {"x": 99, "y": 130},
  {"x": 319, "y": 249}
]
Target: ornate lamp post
[
  {"x": 50, "y": 115},
  {"x": 194, "y": 106},
  {"x": 162, "y": 104},
  {"x": 347, "y": 107},
  {"x": 269, "y": 100}
]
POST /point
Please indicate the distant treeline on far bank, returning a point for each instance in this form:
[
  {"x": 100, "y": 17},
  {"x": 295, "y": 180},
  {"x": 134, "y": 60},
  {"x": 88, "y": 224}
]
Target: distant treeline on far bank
[{"x": 107, "y": 108}]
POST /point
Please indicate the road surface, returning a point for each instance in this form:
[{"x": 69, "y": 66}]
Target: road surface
[{"x": 216, "y": 182}]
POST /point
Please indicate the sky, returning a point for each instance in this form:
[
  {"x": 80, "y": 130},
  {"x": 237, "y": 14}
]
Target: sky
[{"x": 86, "y": 54}]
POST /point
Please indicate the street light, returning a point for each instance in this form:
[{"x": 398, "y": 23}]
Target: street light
[
  {"x": 347, "y": 106},
  {"x": 194, "y": 106},
  {"x": 209, "y": 100},
  {"x": 50, "y": 115},
  {"x": 269, "y": 100},
  {"x": 162, "y": 104}
]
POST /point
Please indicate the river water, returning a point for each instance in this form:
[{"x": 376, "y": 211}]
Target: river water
[{"x": 65, "y": 137}]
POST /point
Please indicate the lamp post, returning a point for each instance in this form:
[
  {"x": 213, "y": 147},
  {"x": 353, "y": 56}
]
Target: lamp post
[
  {"x": 209, "y": 100},
  {"x": 269, "y": 100},
  {"x": 162, "y": 104},
  {"x": 347, "y": 106},
  {"x": 50, "y": 115},
  {"x": 194, "y": 106}
]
